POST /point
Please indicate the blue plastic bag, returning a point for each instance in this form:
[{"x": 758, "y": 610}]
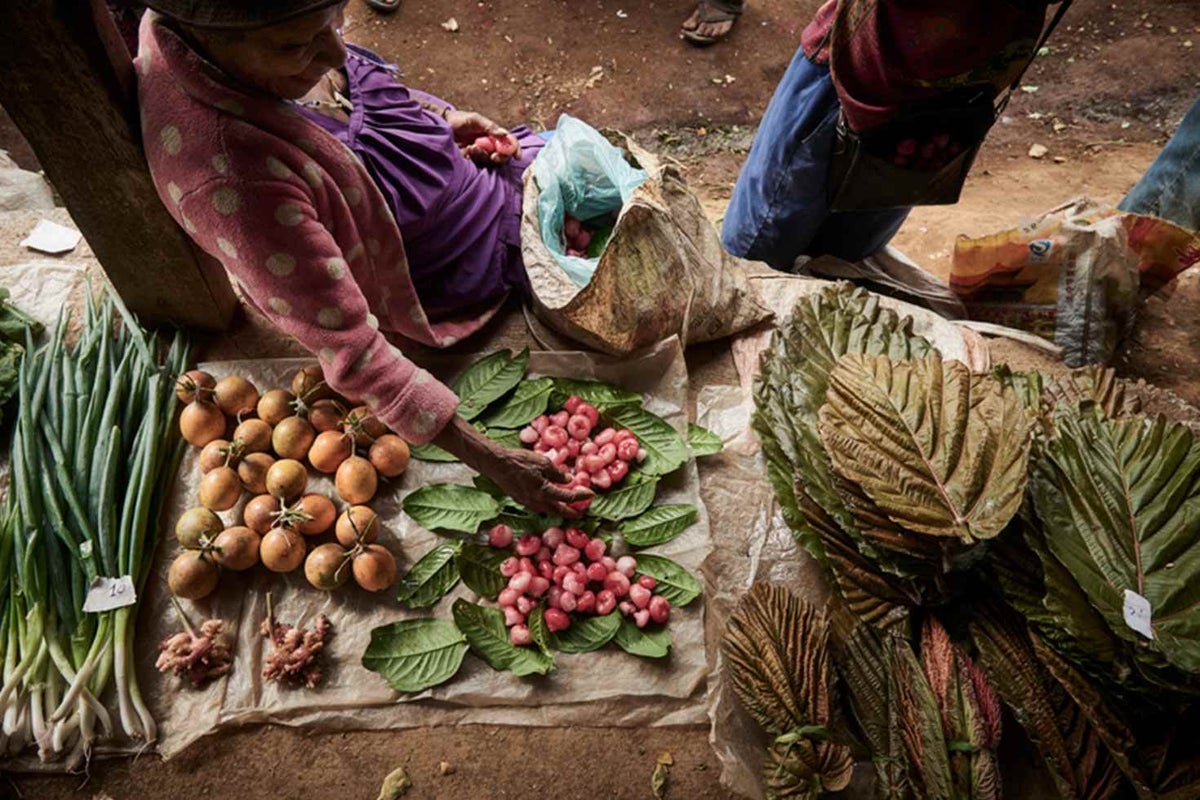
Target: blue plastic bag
[{"x": 580, "y": 173}]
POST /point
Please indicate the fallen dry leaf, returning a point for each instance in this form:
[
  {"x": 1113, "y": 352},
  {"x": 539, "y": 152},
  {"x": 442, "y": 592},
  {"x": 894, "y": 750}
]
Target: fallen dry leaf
[{"x": 395, "y": 785}]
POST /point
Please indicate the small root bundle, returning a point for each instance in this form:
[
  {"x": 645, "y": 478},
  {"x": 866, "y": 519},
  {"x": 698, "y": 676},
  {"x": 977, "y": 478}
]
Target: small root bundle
[
  {"x": 199, "y": 657},
  {"x": 295, "y": 657}
]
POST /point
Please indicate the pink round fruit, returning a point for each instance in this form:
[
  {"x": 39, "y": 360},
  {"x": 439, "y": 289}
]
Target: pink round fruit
[
  {"x": 617, "y": 583},
  {"x": 617, "y": 471},
  {"x": 595, "y": 549},
  {"x": 626, "y": 608},
  {"x": 507, "y": 597},
  {"x": 540, "y": 423},
  {"x": 589, "y": 448},
  {"x": 627, "y": 450},
  {"x": 557, "y": 620},
  {"x": 606, "y": 601},
  {"x": 500, "y": 536},
  {"x": 627, "y": 566},
  {"x": 660, "y": 609},
  {"x": 527, "y": 566},
  {"x": 639, "y": 596},
  {"x": 572, "y": 403},
  {"x": 578, "y": 427},
  {"x": 565, "y": 555},
  {"x": 559, "y": 418},
  {"x": 538, "y": 586},
  {"x": 520, "y": 582},
  {"x": 601, "y": 479},
  {"x": 525, "y": 604},
  {"x": 568, "y": 602},
  {"x": 642, "y": 618},
  {"x": 555, "y": 436},
  {"x": 588, "y": 410},
  {"x": 545, "y": 569},
  {"x": 608, "y": 453},
  {"x": 576, "y": 538},
  {"x": 543, "y": 554},
  {"x": 528, "y": 435},
  {"x": 623, "y": 435},
  {"x": 513, "y": 617},
  {"x": 510, "y": 567},
  {"x": 604, "y": 437},
  {"x": 553, "y": 537},
  {"x": 571, "y": 584},
  {"x": 647, "y": 582},
  {"x": 586, "y": 602},
  {"x": 520, "y": 635},
  {"x": 597, "y": 573},
  {"x": 528, "y": 544}
]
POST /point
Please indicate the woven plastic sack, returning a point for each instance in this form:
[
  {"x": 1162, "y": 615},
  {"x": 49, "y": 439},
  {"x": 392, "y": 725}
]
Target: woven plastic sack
[{"x": 662, "y": 273}]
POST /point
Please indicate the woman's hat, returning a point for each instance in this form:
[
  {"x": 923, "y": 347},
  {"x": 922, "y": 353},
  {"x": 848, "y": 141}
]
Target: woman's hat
[{"x": 236, "y": 14}]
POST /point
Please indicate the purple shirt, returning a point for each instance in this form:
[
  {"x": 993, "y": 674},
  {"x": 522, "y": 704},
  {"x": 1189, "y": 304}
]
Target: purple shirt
[{"x": 460, "y": 222}]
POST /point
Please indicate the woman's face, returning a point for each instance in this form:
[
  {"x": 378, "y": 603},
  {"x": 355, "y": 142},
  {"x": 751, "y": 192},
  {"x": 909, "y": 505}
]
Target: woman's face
[{"x": 286, "y": 60}]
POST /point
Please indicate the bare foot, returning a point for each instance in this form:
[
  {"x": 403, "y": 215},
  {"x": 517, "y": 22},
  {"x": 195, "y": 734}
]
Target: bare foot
[{"x": 708, "y": 30}]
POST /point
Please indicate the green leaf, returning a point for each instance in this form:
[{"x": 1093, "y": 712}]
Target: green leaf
[
  {"x": 485, "y": 484},
  {"x": 415, "y": 654},
  {"x": 450, "y": 507},
  {"x": 508, "y": 438},
  {"x": 601, "y": 395},
  {"x": 430, "y": 452},
  {"x": 587, "y": 634},
  {"x": 485, "y": 631},
  {"x": 666, "y": 451},
  {"x": 479, "y": 566},
  {"x": 522, "y": 520},
  {"x": 487, "y": 380},
  {"x": 674, "y": 582},
  {"x": 659, "y": 525},
  {"x": 528, "y": 401},
  {"x": 703, "y": 442},
  {"x": 642, "y": 642},
  {"x": 627, "y": 500},
  {"x": 539, "y": 632},
  {"x": 940, "y": 451},
  {"x": 428, "y": 580},
  {"x": 1119, "y": 500}
]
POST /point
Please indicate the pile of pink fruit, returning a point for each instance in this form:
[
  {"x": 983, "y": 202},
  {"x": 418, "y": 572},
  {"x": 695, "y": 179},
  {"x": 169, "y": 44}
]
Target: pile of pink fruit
[{"x": 571, "y": 573}]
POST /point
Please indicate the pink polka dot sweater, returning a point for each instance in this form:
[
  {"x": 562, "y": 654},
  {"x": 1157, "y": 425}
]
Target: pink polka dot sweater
[{"x": 296, "y": 220}]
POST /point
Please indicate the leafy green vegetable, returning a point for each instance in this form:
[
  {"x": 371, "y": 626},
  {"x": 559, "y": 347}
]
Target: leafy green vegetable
[
  {"x": 587, "y": 634},
  {"x": 539, "y": 632},
  {"x": 528, "y": 401},
  {"x": 504, "y": 436},
  {"x": 601, "y": 395},
  {"x": 666, "y": 451},
  {"x": 658, "y": 526},
  {"x": 479, "y": 567},
  {"x": 703, "y": 442},
  {"x": 415, "y": 654},
  {"x": 428, "y": 580},
  {"x": 627, "y": 500},
  {"x": 487, "y": 380},
  {"x": 485, "y": 631},
  {"x": 675, "y": 583},
  {"x": 642, "y": 642},
  {"x": 450, "y": 507},
  {"x": 432, "y": 453}
]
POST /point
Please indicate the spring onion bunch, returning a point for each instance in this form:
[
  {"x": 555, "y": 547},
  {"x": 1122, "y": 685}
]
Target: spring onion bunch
[{"x": 93, "y": 451}]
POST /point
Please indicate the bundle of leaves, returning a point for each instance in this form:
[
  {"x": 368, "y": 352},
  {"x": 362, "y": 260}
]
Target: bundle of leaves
[{"x": 775, "y": 648}]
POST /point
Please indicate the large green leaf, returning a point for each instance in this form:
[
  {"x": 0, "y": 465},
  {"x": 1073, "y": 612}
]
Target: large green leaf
[
  {"x": 428, "y": 580},
  {"x": 540, "y": 632},
  {"x": 626, "y": 500},
  {"x": 528, "y": 401},
  {"x": 921, "y": 726},
  {"x": 1120, "y": 500},
  {"x": 505, "y": 436},
  {"x": 643, "y": 642},
  {"x": 675, "y": 583},
  {"x": 416, "y": 654},
  {"x": 450, "y": 507},
  {"x": 479, "y": 566},
  {"x": 941, "y": 452},
  {"x": 601, "y": 395},
  {"x": 658, "y": 526},
  {"x": 587, "y": 633},
  {"x": 485, "y": 631},
  {"x": 487, "y": 380},
  {"x": 666, "y": 451},
  {"x": 432, "y": 453},
  {"x": 703, "y": 442}
]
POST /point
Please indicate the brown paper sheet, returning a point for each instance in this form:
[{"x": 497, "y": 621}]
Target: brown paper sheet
[{"x": 607, "y": 688}]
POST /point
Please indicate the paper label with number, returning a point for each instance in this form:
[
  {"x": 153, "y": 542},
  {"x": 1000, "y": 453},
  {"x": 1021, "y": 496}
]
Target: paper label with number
[
  {"x": 105, "y": 594},
  {"x": 1138, "y": 615}
]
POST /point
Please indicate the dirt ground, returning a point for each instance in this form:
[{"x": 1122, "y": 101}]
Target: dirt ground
[{"x": 1115, "y": 80}]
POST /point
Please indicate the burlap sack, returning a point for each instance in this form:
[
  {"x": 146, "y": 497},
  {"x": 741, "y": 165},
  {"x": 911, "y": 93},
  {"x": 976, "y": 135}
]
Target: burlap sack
[{"x": 663, "y": 273}]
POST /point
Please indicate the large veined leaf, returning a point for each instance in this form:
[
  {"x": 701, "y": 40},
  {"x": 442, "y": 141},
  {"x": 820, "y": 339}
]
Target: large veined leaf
[
  {"x": 789, "y": 391},
  {"x": 450, "y": 507},
  {"x": 432, "y": 453},
  {"x": 625, "y": 500},
  {"x": 643, "y": 642},
  {"x": 505, "y": 436},
  {"x": 479, "y": 566},
  {"x": 658, "y": 526},
  {"x": 940, "y": 451},
  {"x": 587, "y": 634},
  {"x": 921, "y": 727},
  {"x": 675, "y": 583},
  {"x": 601, "y": 395},
  {"x": 1122, "y": 500},
  {"x": 703, "y": 442},
  {"x": 775, "y": 647},
  {"x": 485, "y": 631},
  {"x": 1096, "y": 386},
  {"x": 487, "y": 380},
  {"x": 539, "y": 631},
  {"x": 528, "y": 401},
  {"x": 1075, "y": 755},
  {"x": 416, "y": 654},
  {"x": 428, "y": 580},
  {"x": 666, "y": 450}
]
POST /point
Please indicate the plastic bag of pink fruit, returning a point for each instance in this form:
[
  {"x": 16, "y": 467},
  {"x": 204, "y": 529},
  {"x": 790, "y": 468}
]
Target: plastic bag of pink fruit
[{"x": 661, "y": 273}]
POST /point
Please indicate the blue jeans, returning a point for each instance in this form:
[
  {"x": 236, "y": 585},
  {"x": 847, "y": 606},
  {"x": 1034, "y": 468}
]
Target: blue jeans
[
  {"x": 779, "y": 208},
  {"x": 1170, "y": 189}
]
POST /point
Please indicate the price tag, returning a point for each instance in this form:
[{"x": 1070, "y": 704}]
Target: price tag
[
  {"x": 106, "y": 594},
  {"x": 1138, "y": 614}
]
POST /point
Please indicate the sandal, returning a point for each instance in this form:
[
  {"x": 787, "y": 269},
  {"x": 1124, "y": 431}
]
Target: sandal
[
  {"x": 384, "y": 6},
  {"x": 711, "y": 12}
]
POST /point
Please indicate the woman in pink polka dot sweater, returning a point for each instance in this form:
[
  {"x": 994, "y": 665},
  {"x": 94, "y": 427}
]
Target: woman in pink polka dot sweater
[{"x": 306, "y": 173}]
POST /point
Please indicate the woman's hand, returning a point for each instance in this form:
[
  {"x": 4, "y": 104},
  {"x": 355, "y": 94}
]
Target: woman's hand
[
  {"x": 469, "y": 126},
  {"x": 525, "y": 476}
]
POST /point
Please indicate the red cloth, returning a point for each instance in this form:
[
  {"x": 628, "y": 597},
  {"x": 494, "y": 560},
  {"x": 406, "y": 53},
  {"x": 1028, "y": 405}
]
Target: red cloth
[{"x": 900, "y": 51}]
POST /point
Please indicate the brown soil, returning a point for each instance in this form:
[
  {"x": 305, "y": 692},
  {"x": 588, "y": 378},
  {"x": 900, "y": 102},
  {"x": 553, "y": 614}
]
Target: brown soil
[{"x": 1117, "y": 78}]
